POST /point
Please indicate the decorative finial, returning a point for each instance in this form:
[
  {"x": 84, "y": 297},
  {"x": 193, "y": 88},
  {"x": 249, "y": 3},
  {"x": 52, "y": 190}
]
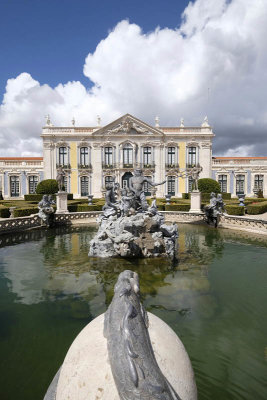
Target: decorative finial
[
  {"x": 48, "y": 121},
  {"x": 205, "y": 123},
  {"x": 182, "y": 123},
  {"x": 98, "y": 120},
  {"x": 157, "y": 122},
  {"x": 73, "y": 121}
]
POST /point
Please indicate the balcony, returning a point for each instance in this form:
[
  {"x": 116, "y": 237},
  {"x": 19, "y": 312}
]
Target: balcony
[
  {"x": 188, "y": 165},
  {"x": 148, "y": 166},
  {"x": 172, "y": 166},
  {"x": 64, "y": 166},
  {"x": 84, "y": 166},
  {"x": 127, "y": 165},
  {"x": 108, "y": 166}
]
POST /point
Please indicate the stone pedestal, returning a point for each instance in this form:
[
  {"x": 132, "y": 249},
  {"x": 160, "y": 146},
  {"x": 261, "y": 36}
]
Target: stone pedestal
[
  {"x": 195, "y": 202},
  {"x": 62, "y": 204}
]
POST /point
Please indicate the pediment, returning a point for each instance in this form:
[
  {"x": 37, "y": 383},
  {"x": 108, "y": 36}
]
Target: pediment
[{"x": 128, "y": 125}]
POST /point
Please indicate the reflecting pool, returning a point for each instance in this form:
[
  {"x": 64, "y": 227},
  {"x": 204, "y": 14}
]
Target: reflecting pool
[{"x": 214, "y": 298}]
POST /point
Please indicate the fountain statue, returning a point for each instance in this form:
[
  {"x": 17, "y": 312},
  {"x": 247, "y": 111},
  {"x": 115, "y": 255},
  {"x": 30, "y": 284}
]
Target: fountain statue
[
  {"x": 214, "y": 210},
  {"x": 125, "y": 353},
  {"x": 128, "y": 227},
  {"x": 46, "y": 211}
]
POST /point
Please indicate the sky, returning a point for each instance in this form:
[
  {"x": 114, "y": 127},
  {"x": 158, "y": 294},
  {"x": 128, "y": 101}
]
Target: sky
[{"x": 173, "y": 59}]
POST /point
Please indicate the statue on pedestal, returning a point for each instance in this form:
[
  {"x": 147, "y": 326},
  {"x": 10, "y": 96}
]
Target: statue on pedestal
[{"x": 60, "y": 178}]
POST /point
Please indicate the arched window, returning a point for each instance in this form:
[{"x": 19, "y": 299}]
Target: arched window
[
  {"x": 147, "y": 187},
  {"x": 147, "y": 156},
  {"x": 240, "y": 184},
  {"x": 222, "y": 179},
  {"x": 108, "y": 179},
  {"x": 33, "y": 182},
  {"x": 14, "y": 186},
  {"x": 171, "y": 157},
  {"x": 62, "y": 156},
  {"x": 128, "y": 155},
  {"x": 192, "y": 156},
  {"x": 108, "y": 156},
  {"x": 84, "y": 156},
  {"x": 84, "y": 186},
  {"x": 171, "y": 185}
]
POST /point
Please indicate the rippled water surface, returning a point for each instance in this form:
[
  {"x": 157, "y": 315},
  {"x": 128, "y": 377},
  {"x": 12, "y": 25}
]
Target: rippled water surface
[{"x": 215, "y": 300}]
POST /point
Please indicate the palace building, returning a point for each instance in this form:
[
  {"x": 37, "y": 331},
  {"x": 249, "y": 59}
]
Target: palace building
[{"x": 93, "y": 156}]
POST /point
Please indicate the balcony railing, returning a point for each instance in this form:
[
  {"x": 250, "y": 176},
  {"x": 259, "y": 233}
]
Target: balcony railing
[
  {"x": 127, "y": 165},
  {"x": 108, "y": 166},
  {"x": 172, "y": 165},
  {"x": 84, "y": 166},
  {"x": 148, "y": 165},
  {"x": 188, "y": 165},
  {"x": 64, "y": 166}
]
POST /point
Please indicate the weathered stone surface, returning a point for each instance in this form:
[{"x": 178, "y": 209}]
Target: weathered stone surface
[
  {"x": 139, "y": 235},
  {"x": 86, "y": 372}
]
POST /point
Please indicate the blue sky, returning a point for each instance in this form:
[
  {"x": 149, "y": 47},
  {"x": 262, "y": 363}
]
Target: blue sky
[
  {"x": 87, "y": 58},
  {"x": 51, "y": 38}
]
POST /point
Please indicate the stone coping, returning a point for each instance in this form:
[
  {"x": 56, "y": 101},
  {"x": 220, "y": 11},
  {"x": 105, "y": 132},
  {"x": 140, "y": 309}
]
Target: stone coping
[{"x": 255, "y": 225}]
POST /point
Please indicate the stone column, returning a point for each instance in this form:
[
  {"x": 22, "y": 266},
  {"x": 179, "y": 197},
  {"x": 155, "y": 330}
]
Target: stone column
[
  {"x": 195, "y": 202},
  {"x": 62, "y": 204}
]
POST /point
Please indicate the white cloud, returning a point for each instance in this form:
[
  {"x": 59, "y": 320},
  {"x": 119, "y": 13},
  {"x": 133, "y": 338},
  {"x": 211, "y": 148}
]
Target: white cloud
[{"x": 219, "y": 49}]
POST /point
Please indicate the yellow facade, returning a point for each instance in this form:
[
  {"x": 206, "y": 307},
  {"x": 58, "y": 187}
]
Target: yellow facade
[{"x": 73, "y": 164}]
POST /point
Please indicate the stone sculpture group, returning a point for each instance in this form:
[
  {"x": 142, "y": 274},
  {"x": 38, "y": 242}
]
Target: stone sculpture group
[
  {"x": 46, "y": 211},
  {"x": 128, "y": 227},
  {"x": 214, "y": 210}
]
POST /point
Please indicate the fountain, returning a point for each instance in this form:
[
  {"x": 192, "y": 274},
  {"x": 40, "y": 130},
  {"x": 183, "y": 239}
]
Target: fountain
[{"x": 128, "y": 227}]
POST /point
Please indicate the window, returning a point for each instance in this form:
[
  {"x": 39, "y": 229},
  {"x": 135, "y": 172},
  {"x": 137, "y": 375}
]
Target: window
[
  {"x": 108, "y": 156},
  {"x": 147, "y": 156},
  {"x": 258, "y": 182},
  {"x": 33, "y": 182},
  {"x": 192, "y": 155},
  {"x": 108, "y": 179},
  {"x": 128, "y": 155},
  {"x": 222, "y": 179},
  {"x": 66, "y": 183},
  {"x": 171, "y": 156},
  {"x": 190, "y": 184},
  {"x": 147, "y": 187},
  {"x": 63, "y": 156},
  {"x": 84, "y": 186},
  {"x": 14, "y": 186},
  {"x": 240, "y": 184},
  {"x": 171, "y": 185},
  {"x": 84, "y": 156}
]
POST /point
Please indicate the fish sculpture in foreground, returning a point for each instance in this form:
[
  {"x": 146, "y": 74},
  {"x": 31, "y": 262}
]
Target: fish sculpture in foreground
[{"x": 134, "y": 367}]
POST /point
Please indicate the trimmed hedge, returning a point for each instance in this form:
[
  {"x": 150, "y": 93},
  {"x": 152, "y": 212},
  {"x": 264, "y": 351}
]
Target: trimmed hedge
[
  {"x": 4, "y": 212},
  {"x": 206, "y": 196},
  {"x": 235, "y": 209},
  {"x": 84, "y": 207},
  {"x": 258, "y": 208},
  {"x": 25, "y": 211},
  {"x": 177, "y": 207},
  {"x": 38, "y": 197},
  {"x": 48, "y": 186}
]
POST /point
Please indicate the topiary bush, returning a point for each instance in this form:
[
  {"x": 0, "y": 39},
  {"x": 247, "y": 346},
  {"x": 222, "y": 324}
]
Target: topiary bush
[
  {"x": 208, "y": 185},
  {"x": 48, "y": 186},
  {"x": 4, "y": 212}
]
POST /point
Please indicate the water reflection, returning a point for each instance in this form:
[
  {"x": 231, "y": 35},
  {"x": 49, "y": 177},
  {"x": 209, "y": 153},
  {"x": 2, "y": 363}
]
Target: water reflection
[{"x": 214, "y": 298}]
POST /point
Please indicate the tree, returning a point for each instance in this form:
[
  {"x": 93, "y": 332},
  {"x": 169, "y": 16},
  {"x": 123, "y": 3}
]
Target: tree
[
  {"x": 48, "y": 186},
  {"x": 208, "y": 185}
]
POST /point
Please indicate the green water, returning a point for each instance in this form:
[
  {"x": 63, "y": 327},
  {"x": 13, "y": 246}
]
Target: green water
[{"x": 215, "y": 300}]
